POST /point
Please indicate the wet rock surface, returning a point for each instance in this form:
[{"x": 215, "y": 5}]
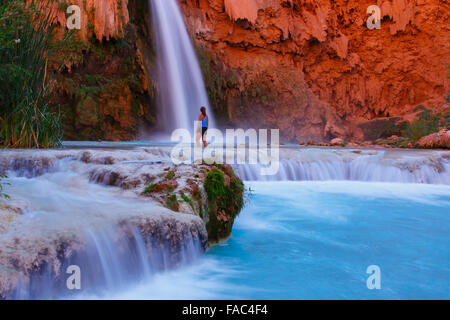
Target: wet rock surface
[{"x": 34, "y": 244}]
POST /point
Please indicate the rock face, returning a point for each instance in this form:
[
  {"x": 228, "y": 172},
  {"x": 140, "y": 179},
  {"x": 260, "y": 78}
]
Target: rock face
[
  {"x": 105, "y": 18},
  {"x": 313, "y": 68},
  {"x": 136, "y": 201},
  {"x": 440, "y": 139},
  {"x": 104, "y": 88}
]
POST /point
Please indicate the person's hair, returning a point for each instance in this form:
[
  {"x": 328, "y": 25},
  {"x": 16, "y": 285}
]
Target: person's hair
[{"x": 203, "y": 110}]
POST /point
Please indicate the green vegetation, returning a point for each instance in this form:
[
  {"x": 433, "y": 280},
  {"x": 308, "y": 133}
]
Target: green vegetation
[
  {"x": 149, "y": 188},
  {"x": 224, "y": 203},
  {"x": 101, "y": 85},
  {"x": 188, "y": 200},
  {"x": 3, "y": 195},
  {"x": 427, "y": 122},
  {"x": 403, "y": 134},
  {"x": 25, "y": 49},
  {"x": 382, "y": 128},
  {"x": 170, "y": 175},
  {"x": 172, "y": 202}
]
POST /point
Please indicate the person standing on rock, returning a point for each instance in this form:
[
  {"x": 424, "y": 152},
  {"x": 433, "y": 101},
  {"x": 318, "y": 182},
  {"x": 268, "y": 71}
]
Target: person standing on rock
[{"x": 204, "y": 122}]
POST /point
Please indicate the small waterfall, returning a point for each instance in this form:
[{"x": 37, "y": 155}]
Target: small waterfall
[
  {"x": 182, "y": 90},
  {"x": 108, "y": 264},
  {"x": 381, "y": 166},
  {"x": 68, "y": 217}
]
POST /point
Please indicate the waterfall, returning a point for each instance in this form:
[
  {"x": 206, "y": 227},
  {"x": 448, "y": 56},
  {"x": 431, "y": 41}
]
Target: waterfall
[
  {"x": 357, "y": 170},
  {"x": 182, "y": 90},
  {"x": 108, "y": 264},
  {"x": 430, "y": 167},
  {"x": 69, "y": 211}
]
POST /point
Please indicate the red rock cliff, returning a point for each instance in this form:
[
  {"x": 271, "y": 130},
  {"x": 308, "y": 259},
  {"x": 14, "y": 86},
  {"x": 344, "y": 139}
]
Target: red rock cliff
[
  {"x": 325, "y": 72},
  {"x": 104, "y": 89}
]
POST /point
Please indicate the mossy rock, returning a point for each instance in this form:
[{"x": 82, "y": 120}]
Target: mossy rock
[
  {"x": 88, "y": 112},
  {"x": 172, "y": 202},
  {"x": 225, "y": 196}
]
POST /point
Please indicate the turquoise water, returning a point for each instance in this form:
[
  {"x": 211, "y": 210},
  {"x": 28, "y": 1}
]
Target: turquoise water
[{"x": 315, "y": 240}]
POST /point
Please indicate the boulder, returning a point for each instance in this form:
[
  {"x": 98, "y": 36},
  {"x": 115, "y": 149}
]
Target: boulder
[
  {"x": 439, "y": 139},
  {"x": 337, "y": 142}
]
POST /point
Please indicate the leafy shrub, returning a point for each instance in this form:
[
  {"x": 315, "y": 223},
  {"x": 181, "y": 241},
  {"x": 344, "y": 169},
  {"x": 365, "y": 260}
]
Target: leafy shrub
[{"x": 426, "y": 123}]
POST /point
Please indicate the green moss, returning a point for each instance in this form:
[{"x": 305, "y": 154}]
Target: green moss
[
  {"x": 172, "y": 202},
  {"x": 215, "y": 184},
  {"x": 189, "y": 201},
  {"x": 100, "y": 70},
  {"x": 170, "y": 175},
  {"x": 224, "y": 203},
  {"x": 149, "y": 188}
]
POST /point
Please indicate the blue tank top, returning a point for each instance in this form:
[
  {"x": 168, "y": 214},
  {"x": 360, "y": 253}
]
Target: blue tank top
[{"x": 204, "y": 122}]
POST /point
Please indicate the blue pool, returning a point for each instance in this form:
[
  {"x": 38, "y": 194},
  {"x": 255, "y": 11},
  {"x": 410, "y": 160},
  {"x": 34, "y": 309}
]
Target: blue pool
[{"x": 315, "y": 240}]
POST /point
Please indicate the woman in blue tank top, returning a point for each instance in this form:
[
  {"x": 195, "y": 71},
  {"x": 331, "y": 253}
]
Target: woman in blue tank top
[{"x": 204, "y": 119}]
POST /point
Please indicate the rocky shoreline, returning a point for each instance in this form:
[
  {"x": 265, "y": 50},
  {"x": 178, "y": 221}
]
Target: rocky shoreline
[{"x": 166, "y": 205}]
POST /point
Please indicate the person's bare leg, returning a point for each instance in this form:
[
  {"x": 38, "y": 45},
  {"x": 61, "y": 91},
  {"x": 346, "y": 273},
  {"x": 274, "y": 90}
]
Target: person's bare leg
[
  {"x": 204, "y": 140},
  {"x": 197, "y": 139}
]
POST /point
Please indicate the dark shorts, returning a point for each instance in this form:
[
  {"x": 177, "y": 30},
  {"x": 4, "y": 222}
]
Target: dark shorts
[{"x": 204, "y": 129}]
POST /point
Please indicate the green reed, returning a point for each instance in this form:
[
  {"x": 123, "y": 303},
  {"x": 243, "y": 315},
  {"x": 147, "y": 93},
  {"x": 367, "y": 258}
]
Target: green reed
[{"x": 25, "y": 44}]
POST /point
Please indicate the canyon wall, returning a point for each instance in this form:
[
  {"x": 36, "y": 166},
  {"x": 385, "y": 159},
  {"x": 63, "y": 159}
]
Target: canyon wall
[
  {"x": 103, "y": 77},
  {"x": 310, "y": 68},
  {"x": 314, "y": 69}
]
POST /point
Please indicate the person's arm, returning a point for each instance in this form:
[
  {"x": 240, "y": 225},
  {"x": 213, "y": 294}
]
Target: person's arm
[{"x": 199, "y": 122}]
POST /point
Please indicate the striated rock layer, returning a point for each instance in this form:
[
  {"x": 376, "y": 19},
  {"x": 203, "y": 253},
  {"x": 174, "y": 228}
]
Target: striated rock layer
[{"x": 314, "y": 69}]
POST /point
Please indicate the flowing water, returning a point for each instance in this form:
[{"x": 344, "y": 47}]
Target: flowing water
[
  {"x": 315, "y": 240},
  {"x": 311, "y": 234},
  {"x": 182, "y": 90},
  {"x": 71, "y": 218},
  {"x": 308, "y": 232}
]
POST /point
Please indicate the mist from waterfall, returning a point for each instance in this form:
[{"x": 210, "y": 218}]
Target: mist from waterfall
[{"x": 182, "y": 90}]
